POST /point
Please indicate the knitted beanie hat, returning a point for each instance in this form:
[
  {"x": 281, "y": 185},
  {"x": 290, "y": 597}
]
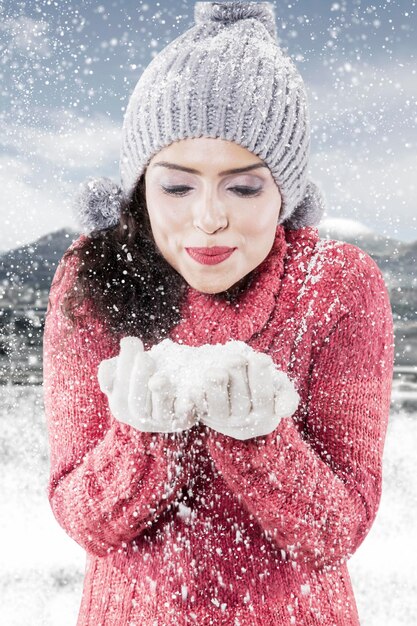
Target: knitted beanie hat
[{"x": 225, "y": 77}]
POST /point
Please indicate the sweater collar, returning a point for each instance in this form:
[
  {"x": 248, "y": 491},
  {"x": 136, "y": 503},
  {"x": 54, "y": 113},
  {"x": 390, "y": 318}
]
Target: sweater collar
[{"x": 208, "y": 319}]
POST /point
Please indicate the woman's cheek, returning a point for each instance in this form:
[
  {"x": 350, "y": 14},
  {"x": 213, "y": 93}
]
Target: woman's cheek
[
  {"x": 175, "y": 220},
  {"x": 168, "y": 218},
  {"x": 257, "y": 219}
]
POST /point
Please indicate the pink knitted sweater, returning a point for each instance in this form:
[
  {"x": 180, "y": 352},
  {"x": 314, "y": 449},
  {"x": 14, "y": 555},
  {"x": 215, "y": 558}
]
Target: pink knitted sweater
[{"x": 197, "y": 527}]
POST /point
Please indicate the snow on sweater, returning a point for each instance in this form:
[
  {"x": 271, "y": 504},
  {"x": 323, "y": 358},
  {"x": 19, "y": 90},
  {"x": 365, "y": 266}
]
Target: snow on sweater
[{"x": 200, "y": 528}]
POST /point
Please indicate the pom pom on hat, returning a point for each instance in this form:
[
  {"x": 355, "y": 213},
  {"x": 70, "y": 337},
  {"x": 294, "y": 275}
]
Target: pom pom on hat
[
  {"x": 229, "y": 12},
  {"x": 98, "y": 203},
  {"x": 309, "y": 211}
]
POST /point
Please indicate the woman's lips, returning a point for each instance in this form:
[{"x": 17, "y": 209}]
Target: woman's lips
[{"x": 210, "y": 256}]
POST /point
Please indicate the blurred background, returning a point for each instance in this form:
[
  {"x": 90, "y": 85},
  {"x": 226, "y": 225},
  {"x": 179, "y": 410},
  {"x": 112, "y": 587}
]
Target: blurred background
[{"x": 67, "y": 69}]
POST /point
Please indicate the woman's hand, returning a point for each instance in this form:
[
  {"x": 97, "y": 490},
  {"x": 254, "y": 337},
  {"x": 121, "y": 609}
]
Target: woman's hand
[
  {"x": 140, "y": 396},
  {"x": 247, "y": 396}
]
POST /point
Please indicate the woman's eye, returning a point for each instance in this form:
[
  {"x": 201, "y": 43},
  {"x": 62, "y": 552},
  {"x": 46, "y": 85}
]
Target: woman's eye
[
  {"x": 246, "y": 191},
  {"x": 177, "y": 190}
]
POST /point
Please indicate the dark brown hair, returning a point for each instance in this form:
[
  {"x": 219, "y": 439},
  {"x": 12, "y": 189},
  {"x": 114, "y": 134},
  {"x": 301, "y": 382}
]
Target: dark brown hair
[{"x": 128, "y": 283}]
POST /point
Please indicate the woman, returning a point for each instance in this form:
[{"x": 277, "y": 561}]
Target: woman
[{"x": 237, "y": 506}]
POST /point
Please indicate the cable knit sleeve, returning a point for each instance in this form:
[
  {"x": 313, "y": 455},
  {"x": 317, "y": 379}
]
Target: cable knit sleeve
[
  {"x": 315, "y": 488},
  {"x": 108, "y": 480}
]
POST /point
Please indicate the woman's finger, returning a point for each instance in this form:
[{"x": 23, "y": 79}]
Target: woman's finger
[
  {"x": 162, "y": 398},
  {"x": 129, "y": 348},
  {"x": 239, "y": 393},
  {"x": 139, "y": 398},
  {"x": 260, "y": 374},
  {"x": 185, "y": 407},
  {"x": 106, "y": 373},
  {"x": 217, "y": 395},
  {"x": 286, "y": 396}
]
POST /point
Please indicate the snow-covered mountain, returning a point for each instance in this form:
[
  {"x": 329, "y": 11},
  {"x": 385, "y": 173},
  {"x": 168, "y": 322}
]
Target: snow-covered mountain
[
  {"x": 352, "y": 231},
  {"x": 34, "y": 264},
  {"x": 344, "y": 227}
]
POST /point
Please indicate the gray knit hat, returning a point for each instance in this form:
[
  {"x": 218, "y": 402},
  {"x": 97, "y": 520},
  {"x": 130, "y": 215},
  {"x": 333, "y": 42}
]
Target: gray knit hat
[{"x": 225, "y": 77}]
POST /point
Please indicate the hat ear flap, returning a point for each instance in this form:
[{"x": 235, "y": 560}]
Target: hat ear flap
[
  {"x": 98, "y": 204},
  {"x": 309, "y": 211}
]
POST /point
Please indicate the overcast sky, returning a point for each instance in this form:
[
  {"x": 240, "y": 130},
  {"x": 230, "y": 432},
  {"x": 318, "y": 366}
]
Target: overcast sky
[{"x": 68, "y": 68}]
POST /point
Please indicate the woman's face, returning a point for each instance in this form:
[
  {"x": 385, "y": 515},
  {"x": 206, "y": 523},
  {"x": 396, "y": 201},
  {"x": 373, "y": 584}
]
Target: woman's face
[{"x": 213, "y": 208}]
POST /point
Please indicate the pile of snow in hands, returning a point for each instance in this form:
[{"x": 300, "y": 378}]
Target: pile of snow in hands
[{"x": 229, "y": 387}]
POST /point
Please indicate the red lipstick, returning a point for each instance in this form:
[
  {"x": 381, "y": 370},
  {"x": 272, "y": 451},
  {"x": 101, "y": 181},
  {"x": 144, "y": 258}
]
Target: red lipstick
[{"x": 210, "y": 256}]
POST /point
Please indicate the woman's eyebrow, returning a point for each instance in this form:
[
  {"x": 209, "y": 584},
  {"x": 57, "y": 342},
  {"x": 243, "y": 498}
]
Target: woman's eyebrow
[{"x": 238, "y": 170}]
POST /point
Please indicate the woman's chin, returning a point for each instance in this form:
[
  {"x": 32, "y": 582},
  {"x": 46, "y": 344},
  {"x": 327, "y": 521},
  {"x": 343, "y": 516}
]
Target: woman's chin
[
  {"x": 209, "y": 287},
  {"x": 230, "y": 286}
]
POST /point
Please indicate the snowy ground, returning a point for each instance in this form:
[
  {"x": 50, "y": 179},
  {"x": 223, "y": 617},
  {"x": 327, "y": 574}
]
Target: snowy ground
[{"x": 41, "y": 568}]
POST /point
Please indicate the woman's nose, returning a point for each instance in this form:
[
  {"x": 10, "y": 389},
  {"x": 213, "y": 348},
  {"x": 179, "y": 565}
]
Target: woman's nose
[{"x": 210, "y": 215}]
